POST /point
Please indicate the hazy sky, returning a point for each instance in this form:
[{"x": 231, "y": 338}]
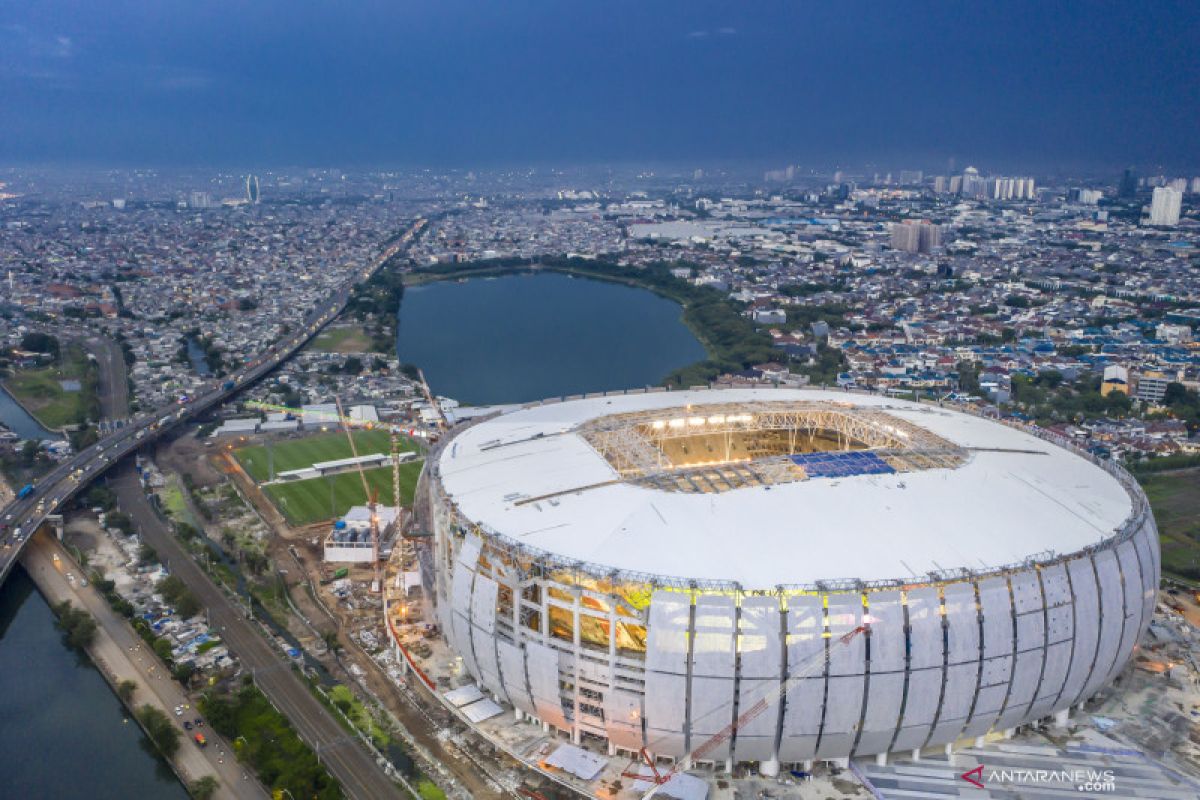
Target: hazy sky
[{"x": 449, "y": 82}]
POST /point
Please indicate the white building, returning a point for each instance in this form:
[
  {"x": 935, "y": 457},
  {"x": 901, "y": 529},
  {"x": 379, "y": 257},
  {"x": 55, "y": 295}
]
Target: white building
[{"x": 1165, "y": 205}]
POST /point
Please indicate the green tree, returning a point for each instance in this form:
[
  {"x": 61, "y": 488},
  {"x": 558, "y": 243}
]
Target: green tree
[
  {"x": 160, "y": 729},
  {"x": 204, "y": 788},
  {"x": 162, "y": 648},
  {"x": 125, "y": 690}
]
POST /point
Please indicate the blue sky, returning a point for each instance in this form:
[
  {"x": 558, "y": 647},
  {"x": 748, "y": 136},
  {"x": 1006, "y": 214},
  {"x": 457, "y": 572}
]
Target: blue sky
[{"x": 516, "y": 82}]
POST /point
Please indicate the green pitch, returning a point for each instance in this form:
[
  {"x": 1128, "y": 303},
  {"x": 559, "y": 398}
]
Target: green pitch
[
  {"x": 316, "y": 499},
  {"x": 300, "y": 453}
]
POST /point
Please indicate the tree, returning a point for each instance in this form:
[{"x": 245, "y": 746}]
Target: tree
[
  {"x": 204, "y": 788},
  {"x": 77, "y": 625},
  {"x": 162, "y": 648},
  {"x": 125, "y": 690},
  {"x": 159, "y": 728},
  {"x": 40, "y": 343}
]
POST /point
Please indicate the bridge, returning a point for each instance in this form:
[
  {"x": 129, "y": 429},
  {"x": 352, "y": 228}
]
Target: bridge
[
  {"x": 25, "y": 515},
  {"x": 360, "y": 776},
  {"x": 20, "y": 518}
]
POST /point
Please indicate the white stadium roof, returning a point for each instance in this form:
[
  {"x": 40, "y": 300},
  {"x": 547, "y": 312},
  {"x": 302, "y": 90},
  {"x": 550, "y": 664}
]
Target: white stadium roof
[{"x": 995, "y": 509}]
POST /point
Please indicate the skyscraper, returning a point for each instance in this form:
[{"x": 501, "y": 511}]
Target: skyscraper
[
  {"x": 1128, "y": 187},
  {"x": 973, "y": 184},
  {"x": 1165, "y": 205},
  {"x": 252, "y": 189}
]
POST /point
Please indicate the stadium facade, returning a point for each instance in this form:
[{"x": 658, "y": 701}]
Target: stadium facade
[{"x": 780, "y": 576}]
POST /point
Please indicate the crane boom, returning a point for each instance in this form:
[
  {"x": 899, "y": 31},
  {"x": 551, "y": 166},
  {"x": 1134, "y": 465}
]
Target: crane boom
[
  {"x": 759, "y": 701},
  {"x": 377, "y": 583}
]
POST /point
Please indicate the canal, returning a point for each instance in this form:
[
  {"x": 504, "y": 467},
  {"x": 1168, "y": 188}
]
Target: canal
[
  {"x": 63, "y": 733},
  {"x": 18, "y": 420},
  {"x": 527, "y": 337}
]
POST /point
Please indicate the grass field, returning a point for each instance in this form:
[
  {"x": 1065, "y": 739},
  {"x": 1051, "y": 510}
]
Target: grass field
[
  {"x": 316, "y": 499},
  {"x": 42, "y": 395},
  {"x": 352, "y": 339},
  {"x": 300, "y": 453},
  {"x": 1175, "y": 498}
]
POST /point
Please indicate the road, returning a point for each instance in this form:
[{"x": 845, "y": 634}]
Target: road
[
  {"x": 122, "y": 655},
  {"x": 357, "y": 771},
  {"x": 114, "y": 388},
  {"x": 26, "y": 514}
]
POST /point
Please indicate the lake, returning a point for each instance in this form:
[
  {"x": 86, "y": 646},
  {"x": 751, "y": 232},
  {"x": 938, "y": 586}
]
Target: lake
[{"x": 520, "y": 338}]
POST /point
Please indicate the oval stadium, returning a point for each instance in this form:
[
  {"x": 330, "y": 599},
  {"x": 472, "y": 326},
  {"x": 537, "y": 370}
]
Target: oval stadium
[{"x": 774, "y": 577}]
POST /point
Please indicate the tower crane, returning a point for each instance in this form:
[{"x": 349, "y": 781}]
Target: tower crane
[
  {"x": 372, "y": 496},
  {"x": 759, "y": 701},
  {"x": 345, "y": 422},
  {"x": 443, "y": 423}
]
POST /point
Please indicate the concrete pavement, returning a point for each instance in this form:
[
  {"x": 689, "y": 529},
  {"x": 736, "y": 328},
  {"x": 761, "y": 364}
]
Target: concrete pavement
[{"x": 121, "y": 655}]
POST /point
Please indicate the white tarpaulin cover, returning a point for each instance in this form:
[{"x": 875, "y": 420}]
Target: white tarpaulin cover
[
  {"x": 577, "y": 761},
  {"x": 463, "y": 695},
  {"x": 481, "y": 710}
]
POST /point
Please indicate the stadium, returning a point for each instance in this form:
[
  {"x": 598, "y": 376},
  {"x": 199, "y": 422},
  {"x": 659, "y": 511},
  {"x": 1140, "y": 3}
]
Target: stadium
[{"x": 777, "y": 576}]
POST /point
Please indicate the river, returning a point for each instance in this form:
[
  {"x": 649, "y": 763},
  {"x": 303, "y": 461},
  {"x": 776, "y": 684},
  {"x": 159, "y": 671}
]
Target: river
[
  {"x": 527, "y": 337},
  {"x": 18, "y": 420},
  {"x": 63, "y": 733}
]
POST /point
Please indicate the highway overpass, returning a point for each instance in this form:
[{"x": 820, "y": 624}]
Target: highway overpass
[{"x": 19, "y": 519}]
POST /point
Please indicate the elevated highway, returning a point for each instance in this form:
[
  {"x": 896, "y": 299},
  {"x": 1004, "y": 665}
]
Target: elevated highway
[{"x": 26, "y": 514}]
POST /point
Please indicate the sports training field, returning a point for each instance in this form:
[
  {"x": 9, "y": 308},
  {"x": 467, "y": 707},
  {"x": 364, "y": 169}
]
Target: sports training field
[
  {"x": 316, "y": 499},
  {"x": 300, "y": 453}
]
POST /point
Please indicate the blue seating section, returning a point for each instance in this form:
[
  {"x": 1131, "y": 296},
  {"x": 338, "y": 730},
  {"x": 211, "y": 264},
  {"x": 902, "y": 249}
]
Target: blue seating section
[{"x": 841, "y": 464}]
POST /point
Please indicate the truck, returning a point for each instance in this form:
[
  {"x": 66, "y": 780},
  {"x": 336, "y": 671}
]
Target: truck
[
  {"x": 200, "y": 740},
  {"x": 26, "y": 490}
]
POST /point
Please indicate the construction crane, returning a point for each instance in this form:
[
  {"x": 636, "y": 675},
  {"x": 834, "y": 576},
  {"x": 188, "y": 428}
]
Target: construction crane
[
  {"x": 443, "y": 423},
  {"x": 759, "y": 701},
  {"x": 397, "y": 452},
  {"x": 372, "y": 496}
]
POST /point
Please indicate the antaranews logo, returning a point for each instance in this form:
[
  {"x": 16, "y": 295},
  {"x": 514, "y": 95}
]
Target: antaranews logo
[{"x": 1093, "y": 781}]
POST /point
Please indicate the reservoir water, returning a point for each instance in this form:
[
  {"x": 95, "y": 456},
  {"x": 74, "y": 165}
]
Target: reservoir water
[
  {"x": 62, "y": 730},
  {"x": 501, "y": 340},
  {"x": 520, "y": 338}
]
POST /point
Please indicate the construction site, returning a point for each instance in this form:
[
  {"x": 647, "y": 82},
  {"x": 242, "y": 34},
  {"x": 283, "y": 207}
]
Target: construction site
[{"x": 592, "y": 621}]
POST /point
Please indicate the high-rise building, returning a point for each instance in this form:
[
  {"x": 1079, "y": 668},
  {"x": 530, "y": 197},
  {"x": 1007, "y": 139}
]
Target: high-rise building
[
  {"x": 1195, "y": 185},
  {"x": 973, "y": 184},
  {"x": 1129, "y": 184},
  {"x": 955, "y": 186},
  {"x": 252, "y": 194},
  {"x": 909, "y": 177},
  {"x": 1165, "y": 205},
  {"x": 931, "y": 237},
  {"x": 906, "y": 237},
  {"x": 199, "y": 200},
  {"x": 939, "y": 184},
  {"x": 911, "y": 236},
  {"x": 1180, "y": 184}
]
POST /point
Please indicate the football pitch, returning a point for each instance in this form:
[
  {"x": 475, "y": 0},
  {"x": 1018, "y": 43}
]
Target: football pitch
[
  {"x": 301, "y": 453},
  {"x": 316, "y": 499}
]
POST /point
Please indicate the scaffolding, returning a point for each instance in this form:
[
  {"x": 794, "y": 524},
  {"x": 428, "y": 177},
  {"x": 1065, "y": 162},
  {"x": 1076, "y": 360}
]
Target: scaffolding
[{"x": 724, "y": 446}]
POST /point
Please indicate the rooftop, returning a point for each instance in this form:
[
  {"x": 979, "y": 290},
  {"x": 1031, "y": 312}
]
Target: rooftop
[{"x": 953, "y": 491}]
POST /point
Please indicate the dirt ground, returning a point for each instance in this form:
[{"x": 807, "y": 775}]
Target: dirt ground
[{"x": 297, "y": 554}]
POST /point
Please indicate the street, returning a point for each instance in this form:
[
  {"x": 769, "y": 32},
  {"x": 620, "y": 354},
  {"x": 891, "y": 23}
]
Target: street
[
  {"x": 121, "y": 655},
  {"x": 339, "y": 751}
]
